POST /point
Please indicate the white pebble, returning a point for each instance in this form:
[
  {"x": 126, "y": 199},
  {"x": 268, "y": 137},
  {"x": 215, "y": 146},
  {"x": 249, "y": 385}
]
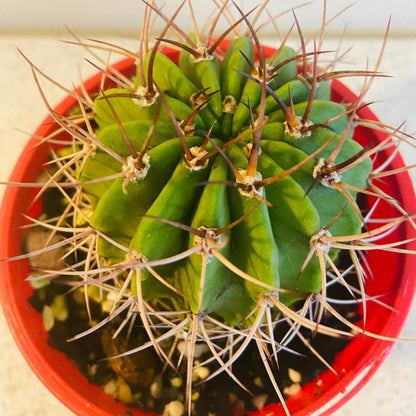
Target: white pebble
[
  {"x": 260, "y": 400},
  {"x": 60, "y": 309},
  {"x": 36, "y": 282},
  {"x": 156, "y": 388},
  {"x": 199, "y": 349},
  {"x": 92, "y": 369},
  {"x": 294, "y": 375},
  {"x": 176, "y": 382},
  {"x": 292, "y": 390},
  {"x": 200, "y": 373},
  {"x": 48, "y": 318},
  {"x": 111, "y": 388},
  {"x": 175, "y": 408}
]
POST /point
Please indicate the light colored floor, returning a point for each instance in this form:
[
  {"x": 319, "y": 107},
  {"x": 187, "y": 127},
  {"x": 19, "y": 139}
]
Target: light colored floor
[{"x": 390, "y": 392}]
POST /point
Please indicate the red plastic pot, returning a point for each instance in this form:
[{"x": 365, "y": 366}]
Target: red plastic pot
[{"x": 355, "y": 364}]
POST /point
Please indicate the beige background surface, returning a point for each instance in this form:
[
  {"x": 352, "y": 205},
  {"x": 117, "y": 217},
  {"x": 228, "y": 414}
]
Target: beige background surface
[{"x": 365, "y": 18}]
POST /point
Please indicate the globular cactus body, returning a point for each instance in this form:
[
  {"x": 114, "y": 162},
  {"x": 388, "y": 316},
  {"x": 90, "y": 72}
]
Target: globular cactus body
[{"x": 152, "y": 207}]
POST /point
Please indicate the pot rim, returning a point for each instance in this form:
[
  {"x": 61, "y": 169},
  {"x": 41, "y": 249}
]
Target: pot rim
[{"x": 22, "y": 319}]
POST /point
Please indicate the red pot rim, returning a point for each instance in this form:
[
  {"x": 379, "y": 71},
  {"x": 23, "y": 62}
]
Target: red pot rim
[{"x": 356, "y": 364}]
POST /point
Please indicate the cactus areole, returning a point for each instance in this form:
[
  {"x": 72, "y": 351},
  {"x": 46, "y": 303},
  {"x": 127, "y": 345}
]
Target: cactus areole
[{"x": 209, "y": 194}]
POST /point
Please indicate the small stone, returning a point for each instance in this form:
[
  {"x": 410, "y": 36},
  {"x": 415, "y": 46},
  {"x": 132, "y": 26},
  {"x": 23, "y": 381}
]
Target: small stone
[
  {"x": 156, "y": 388},
  {"x": 200, "y": 373},
  {"x": 292, "y": 390},
  {"x": 48, "y": 318},
  {"x": 60, "y": 309},
  {"x": 38, "y": 283},
  {"x": 108, "y": 303},
  {"x": 175, "y": 408},
  {"x": 134, "y": 368},
  {"x": 124, "y": 392},
  {"x": 92, "y": 369},
  {"x": 111, "y": 388},
  {"x": 258, "y": 382},
  {"x": 199, "y": 349},
  {"x": 294, "y": 375},
  {"x": 94, "y": 293},
  {"x": 38, "y": 239},
  {"x": 260, "y": 401},
  {"x": 176, "y": 382}
]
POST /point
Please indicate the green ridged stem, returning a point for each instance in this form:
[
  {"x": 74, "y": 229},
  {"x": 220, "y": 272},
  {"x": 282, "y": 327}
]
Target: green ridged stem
[{"x": 272, "y": 241}]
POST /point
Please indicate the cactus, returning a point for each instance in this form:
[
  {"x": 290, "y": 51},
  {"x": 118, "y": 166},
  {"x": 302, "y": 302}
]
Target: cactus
[{"x": 212, "y": 196}]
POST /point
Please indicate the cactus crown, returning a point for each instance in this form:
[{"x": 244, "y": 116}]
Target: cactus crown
[{"x": 213, "y": 194}]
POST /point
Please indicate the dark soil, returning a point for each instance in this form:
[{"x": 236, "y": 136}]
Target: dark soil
[
  {"x": 87, "y": 353},
  {"x": 138, "y": 370}
]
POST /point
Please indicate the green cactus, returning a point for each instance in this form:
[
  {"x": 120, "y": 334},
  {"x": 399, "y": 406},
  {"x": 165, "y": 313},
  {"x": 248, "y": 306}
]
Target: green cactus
[
  {"x": 185, "y": 192},
  {"x": 211, "y": 192},
  {"x": 204, "y": 188}
]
